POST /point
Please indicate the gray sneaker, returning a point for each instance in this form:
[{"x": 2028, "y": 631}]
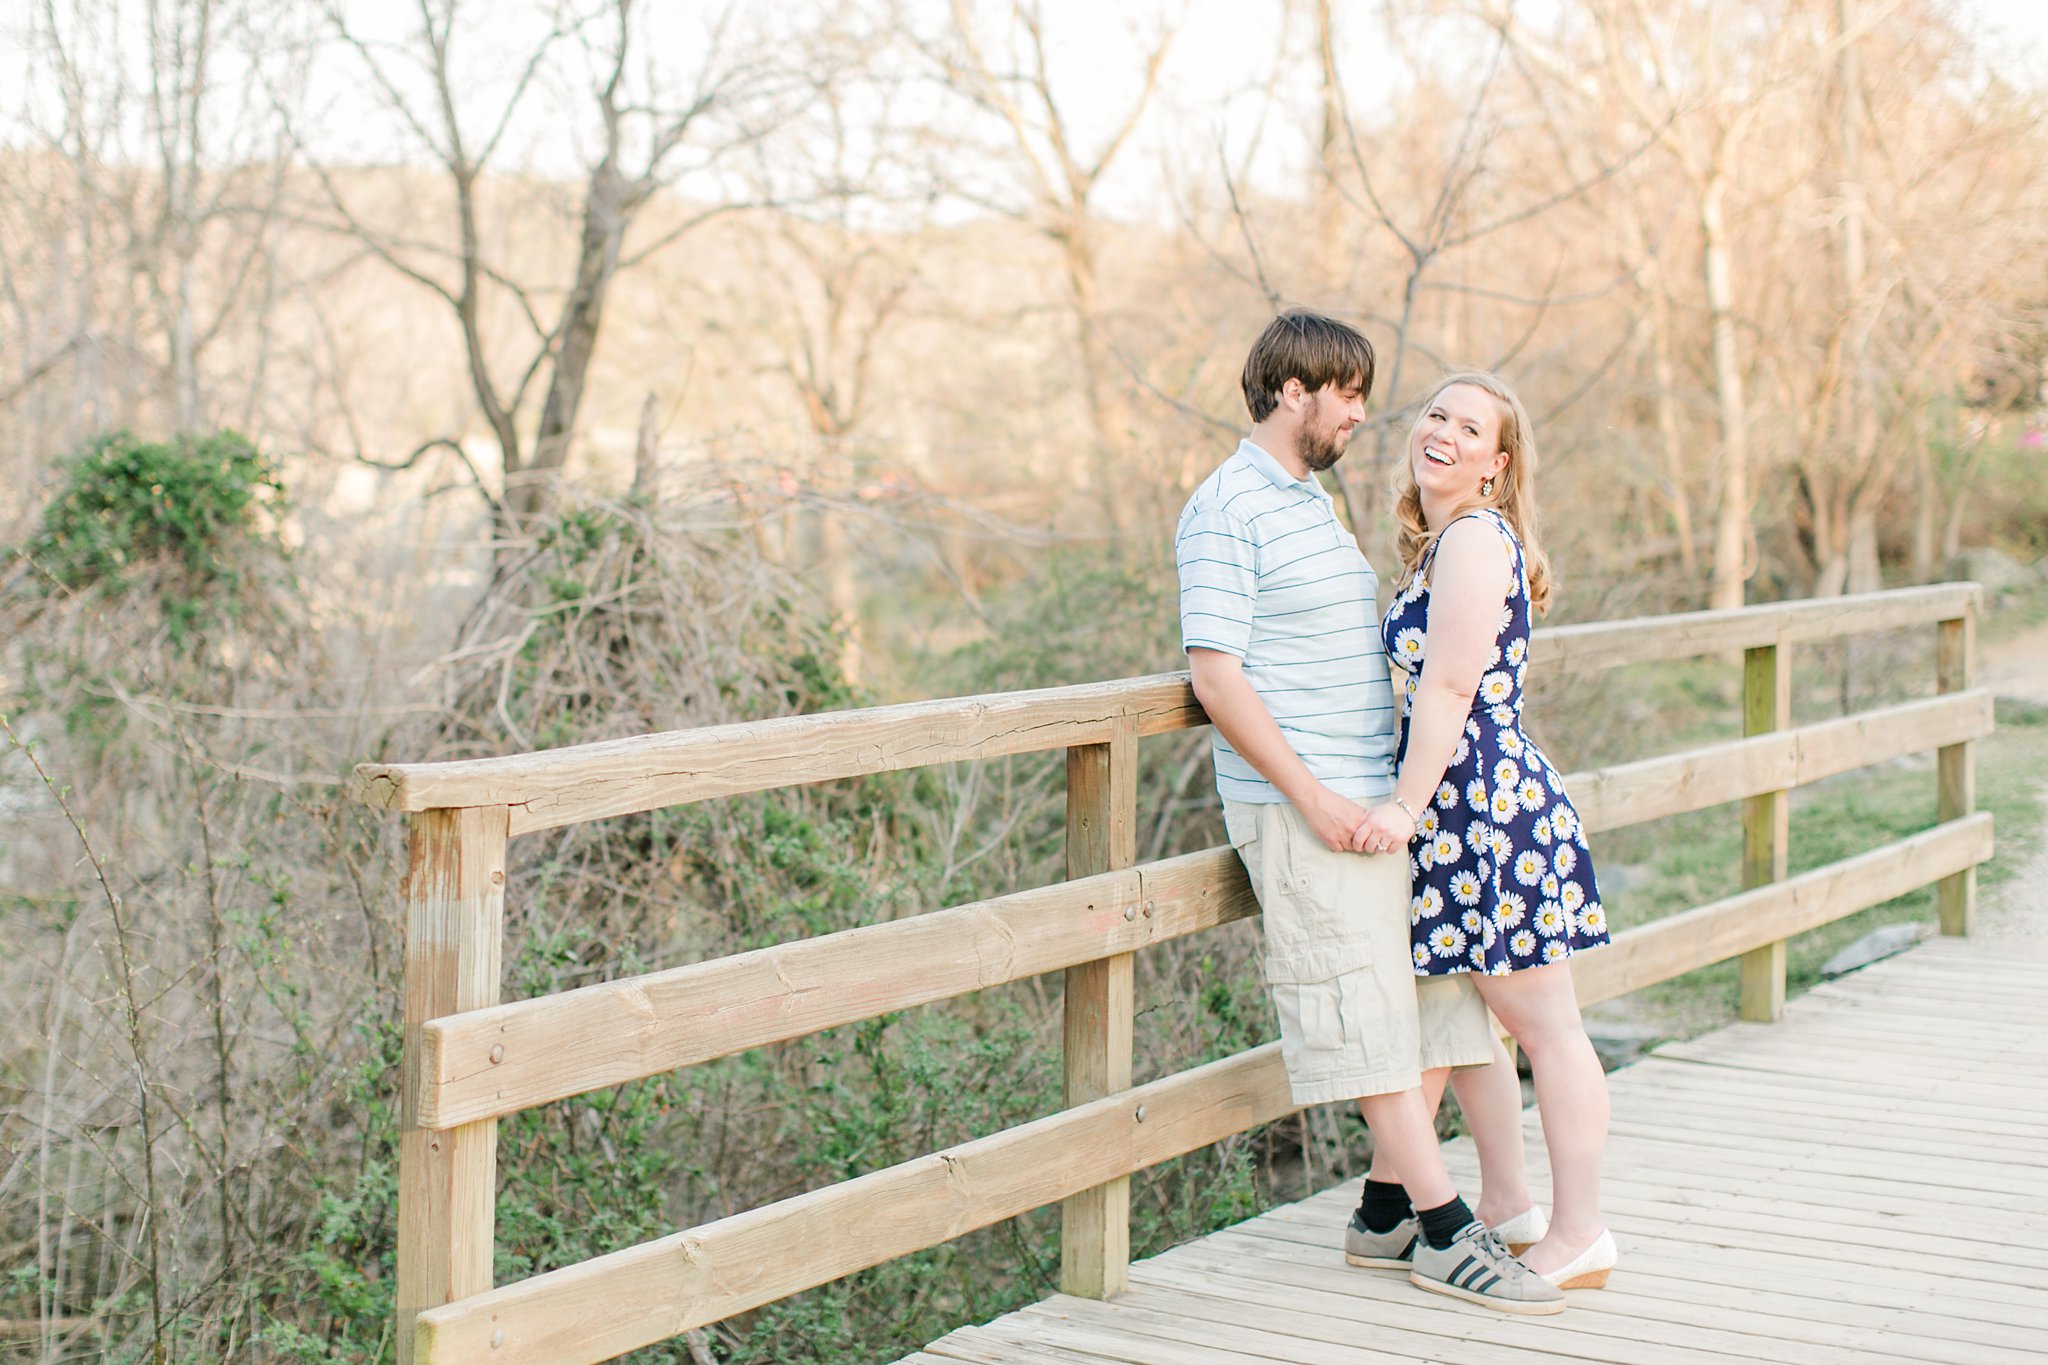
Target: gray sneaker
[
  {"x": 1382, "y": 1250},
  {"x": 1478, "y": 1268}
]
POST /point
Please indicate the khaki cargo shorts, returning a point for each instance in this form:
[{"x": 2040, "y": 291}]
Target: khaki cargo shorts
[{"x": 1355, "y": 1019}]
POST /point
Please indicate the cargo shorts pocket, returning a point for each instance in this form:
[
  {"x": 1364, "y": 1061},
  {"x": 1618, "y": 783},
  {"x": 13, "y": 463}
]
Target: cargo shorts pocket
[
  {"x": 1312, "y": 1016},
  {"x": 1316, "y": 924}
]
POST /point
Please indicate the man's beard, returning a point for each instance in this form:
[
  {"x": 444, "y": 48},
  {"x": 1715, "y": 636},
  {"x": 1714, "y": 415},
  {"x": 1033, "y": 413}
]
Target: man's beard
[{"x": 1320, "y": 449}]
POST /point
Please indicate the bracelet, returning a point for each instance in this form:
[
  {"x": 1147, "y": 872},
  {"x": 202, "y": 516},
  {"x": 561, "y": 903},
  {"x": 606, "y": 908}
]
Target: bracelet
[{"x": 1409, "y": 811}]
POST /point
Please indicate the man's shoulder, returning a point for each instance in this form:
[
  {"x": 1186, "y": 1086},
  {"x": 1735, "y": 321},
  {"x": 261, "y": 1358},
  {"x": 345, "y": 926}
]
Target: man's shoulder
[{"x": 1235, "y": 489}]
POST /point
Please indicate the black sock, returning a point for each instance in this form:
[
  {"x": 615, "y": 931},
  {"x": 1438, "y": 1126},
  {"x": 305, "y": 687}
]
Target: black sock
[
  {"x": 1441, "y": 1224},
  {"x": 1384, "y": 1206}
]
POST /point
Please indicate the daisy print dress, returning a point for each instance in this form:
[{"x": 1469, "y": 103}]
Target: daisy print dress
[{"x": 1502, "y": 876}]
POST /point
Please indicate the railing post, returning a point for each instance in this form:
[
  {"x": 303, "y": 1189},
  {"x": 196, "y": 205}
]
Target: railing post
[
  {"x": 1766, "y": 825},
  {"x": 447, "y": 1181},
  {"x": 1956, "y": 765},
  {"x": 1102, "y": 836}
]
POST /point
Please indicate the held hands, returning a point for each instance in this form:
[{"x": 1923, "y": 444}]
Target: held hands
[
  {"x": 1335, "y": 819},
  {"x": 1385, "y": 829}
]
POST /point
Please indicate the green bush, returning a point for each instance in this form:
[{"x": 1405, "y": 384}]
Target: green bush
[{"x": 183, "y": 510}]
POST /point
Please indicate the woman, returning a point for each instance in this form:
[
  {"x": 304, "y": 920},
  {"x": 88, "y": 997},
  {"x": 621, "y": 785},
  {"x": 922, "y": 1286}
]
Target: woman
[{"x": 1503, "y": 882}]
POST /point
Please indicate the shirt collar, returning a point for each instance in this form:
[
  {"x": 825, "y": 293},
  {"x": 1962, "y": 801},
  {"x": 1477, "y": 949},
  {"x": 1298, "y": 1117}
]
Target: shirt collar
[{"x": 1261, "y": 459}]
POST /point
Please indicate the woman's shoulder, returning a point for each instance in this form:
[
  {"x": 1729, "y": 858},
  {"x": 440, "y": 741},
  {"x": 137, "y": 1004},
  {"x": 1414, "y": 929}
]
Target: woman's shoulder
[{"x": 1479, "y": 531}]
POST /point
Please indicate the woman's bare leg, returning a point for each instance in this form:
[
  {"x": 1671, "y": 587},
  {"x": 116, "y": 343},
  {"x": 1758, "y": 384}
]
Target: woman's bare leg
[
  {"x": 1539, "y": 1009},
  {"x": 1490, "y": 1097}
]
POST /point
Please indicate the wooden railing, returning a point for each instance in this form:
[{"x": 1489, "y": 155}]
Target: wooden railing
[{"x": 470, "y": 1060}]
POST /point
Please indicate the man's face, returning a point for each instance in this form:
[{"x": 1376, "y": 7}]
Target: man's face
[{"x": 1334, "y": 412}]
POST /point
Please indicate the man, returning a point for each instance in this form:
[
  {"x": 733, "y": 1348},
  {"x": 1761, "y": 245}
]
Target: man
[{"x": 1280, "y": 622}]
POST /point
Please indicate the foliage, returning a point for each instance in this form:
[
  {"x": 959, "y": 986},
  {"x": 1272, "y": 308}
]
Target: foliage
[
  {"x": 184, "y": 511},
  {"x": 621, "y": 618}
]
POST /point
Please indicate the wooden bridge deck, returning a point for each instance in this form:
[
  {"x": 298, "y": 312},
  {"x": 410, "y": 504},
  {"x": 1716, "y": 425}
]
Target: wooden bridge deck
[{"x": 1866, "y": 1181}]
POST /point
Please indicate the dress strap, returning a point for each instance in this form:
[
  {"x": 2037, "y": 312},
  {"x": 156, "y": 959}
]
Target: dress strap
[
  {"x": 1499, "y": 523},
  {"x": 1485, "y": 514}
]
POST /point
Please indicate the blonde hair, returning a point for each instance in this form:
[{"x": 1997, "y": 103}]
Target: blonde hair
[{"x": 1514, "y": 488}]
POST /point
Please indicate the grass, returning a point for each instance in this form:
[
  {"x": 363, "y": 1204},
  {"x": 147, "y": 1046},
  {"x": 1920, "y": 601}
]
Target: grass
[{"x": 1658, "y": 869}]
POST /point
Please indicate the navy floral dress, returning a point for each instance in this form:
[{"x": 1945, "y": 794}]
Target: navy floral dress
[{"x": 1502, "y": 876}]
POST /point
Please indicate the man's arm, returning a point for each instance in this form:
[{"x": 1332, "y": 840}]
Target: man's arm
[{"x": 1235, "y": 709}]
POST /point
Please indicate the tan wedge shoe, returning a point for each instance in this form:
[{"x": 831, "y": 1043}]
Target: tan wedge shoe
[
  {"x": 1524, "y": 1230},
  {"x": 1590, "y": 1268}
]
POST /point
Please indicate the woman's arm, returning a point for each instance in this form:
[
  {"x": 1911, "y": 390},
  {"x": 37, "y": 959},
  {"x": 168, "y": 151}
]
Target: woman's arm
[{"x": 1468, "y": 587}]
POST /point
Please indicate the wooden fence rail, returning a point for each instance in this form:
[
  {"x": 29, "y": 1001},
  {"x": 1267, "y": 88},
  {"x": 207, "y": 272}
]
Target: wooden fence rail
[{"x": 470, "y": 1060}]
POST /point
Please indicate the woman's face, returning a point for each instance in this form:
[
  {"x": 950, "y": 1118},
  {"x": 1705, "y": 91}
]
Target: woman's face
[{"x": 1456, "y": 445}]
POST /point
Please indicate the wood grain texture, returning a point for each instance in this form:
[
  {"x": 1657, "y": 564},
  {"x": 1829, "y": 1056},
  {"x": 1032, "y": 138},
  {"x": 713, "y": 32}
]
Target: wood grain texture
[
  {"x": 600, "y": 1308},
  {"x": 1610, "y": 644},
  {"x": 646, "y": 772},
  {"x": 1795, "y": 1226},
  {"x": 1678, "y": 943},
  {"x": 1696, "y": 779},
  {"x": 1097, "y": 1007},
  {"x": 1766, "y": 826},
  {"x": 1955, "y": 656},
  {"x": 499, "y": 1061},
  {"x": 447, "y": 1181}
]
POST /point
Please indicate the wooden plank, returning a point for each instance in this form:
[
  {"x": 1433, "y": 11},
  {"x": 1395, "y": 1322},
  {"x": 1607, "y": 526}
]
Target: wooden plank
[
  {"x": 1724, "y": 1282},
  {"x": 1697, "y": 779},
  {"x": 1712, "y": 933},
  {"x": 1799, "y": 1106},
  {"x": 600, "y": 1308},
  {"x": 1920, "y": 1309},
  {"x": 447, "y": 1181},
  {"x": 1317, "y": 1298},
  {"x": 1766, "y": 827},
  {"x": 646, "y": 772},
  {"x": 1610, "y": 644},
  {"x": 1097, "y": 1008},
  {"x": 1172, "y": 1307},
  {"x": 1956, "y": 767},
  {"x": 502, "y": 1060},
  {"x": 1305, "y": 1289}
]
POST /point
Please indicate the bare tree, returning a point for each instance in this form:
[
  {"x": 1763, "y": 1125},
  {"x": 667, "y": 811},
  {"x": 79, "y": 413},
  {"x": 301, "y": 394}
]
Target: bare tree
[
  {"x": 651, "y": 125},
  {"x": 825, "y": 286},
  {"x": 1466, "y": 202},
  {"x": 998, "y": 58},
  {"x": 146, "y": 195},
  {"x": 1700, "y": 80}
]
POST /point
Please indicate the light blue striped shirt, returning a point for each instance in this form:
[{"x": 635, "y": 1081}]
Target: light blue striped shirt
[{"x": 1268, "y": 574}]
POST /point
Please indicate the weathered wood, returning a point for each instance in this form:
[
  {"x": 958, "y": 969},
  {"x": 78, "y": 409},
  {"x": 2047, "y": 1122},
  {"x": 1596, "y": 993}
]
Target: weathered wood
[
  {"x": 1696, "y": 779},
  {"x": 1099, "y": 1002},
  {"x": 447, "y": 1181},
  {"x": 1678, "y": 943},
  {"x": 618, "y": 777},
  {"x": 1610, "y": 644},
  {"x": 602, "y": 1307},
  {"x": 499, "y": 1061},
  {"x": 646, "y": 772},
  {"x": 1956, "y": 766},
  {"x": 1751, "y": 1239},
  {"x": 1766, "y": 826},
  {"x": 606, "y": 1034}
]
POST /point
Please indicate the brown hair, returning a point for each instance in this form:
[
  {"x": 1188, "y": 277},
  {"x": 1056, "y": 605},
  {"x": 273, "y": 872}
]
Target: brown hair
[
  {"x": 1514, "y": 488},
  {"x": 1304, "y": 345}
]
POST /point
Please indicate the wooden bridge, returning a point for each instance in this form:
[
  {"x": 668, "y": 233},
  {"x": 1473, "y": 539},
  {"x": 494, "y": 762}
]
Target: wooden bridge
[
  {"x": 1865, "y": 1173},
  {"x": 1866, "y": 1182}
]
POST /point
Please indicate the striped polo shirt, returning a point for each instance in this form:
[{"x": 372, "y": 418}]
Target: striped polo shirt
[{"x": 1268, "y": 574}]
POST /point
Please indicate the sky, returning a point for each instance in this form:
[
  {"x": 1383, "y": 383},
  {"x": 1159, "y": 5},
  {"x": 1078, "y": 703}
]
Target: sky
[{"x": 1210, "y": 103}]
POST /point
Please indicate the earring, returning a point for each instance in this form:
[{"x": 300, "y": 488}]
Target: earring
[{"x": 1486, "y": 488}]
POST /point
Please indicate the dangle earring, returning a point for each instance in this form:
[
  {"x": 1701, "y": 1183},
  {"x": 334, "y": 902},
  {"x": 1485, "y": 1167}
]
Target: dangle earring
[{"x": 1486, "y": 488}]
